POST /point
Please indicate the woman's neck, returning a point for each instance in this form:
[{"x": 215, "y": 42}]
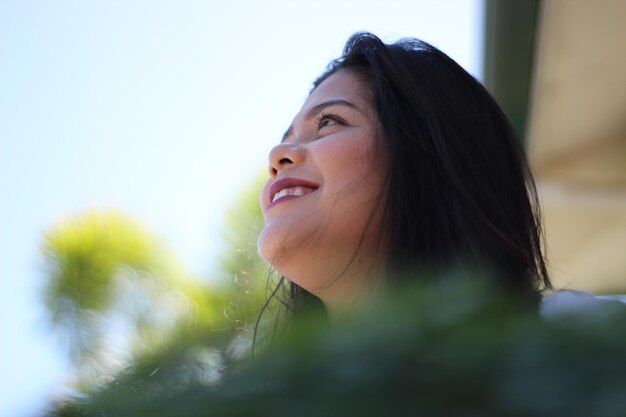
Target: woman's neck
[{"x": 350, "y": 295}]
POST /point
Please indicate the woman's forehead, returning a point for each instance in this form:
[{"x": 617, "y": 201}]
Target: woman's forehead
[
  {"x": 343, "y": 88},
  {"x": 342, "y": 84}
]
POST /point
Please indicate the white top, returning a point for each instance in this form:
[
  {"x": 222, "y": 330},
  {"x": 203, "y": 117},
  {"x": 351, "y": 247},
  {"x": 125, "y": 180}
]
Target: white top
[{"x": 568, "y": 302}]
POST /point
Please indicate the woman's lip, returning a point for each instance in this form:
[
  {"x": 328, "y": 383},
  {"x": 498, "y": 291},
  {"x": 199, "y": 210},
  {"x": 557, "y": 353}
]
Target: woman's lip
[
  {"x": 288, "y": 183},
  {"x": 280, "y": 200}
]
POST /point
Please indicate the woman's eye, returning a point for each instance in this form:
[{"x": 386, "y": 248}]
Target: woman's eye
[{"x": 325, "y": 120}]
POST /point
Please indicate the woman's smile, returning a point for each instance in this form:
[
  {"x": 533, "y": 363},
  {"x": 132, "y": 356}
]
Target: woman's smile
[{"x": 289, "y": 188}]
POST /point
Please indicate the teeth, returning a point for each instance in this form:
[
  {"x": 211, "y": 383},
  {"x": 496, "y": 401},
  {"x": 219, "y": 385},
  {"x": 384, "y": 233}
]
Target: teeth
[{"x": 295, "y": 191}]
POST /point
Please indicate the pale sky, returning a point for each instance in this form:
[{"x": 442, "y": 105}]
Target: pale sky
[{"x": 162, "y": 109}]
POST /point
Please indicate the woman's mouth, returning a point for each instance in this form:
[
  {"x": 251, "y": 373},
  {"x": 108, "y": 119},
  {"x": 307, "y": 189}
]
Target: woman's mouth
[
  {"x": 293, "y": 191},
  {"x": 288, "y": 188}
]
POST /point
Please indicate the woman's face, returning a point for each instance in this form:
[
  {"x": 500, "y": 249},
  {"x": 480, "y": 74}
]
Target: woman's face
[{"x": 323, "y": 203}]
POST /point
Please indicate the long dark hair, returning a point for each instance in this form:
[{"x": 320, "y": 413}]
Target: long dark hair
[{"x": 459, "y": 189}]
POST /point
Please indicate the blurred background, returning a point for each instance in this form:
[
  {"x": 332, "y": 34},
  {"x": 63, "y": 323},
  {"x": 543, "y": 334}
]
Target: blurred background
[
  {"x": 558, "y": 68},
  {"x": 134, "y": 136}
]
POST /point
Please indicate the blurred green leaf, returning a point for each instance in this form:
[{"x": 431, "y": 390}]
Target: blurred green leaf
[{"x": 457, "y": 348}]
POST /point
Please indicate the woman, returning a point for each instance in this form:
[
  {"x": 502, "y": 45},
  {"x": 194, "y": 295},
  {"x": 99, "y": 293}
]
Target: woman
[{"x": 399, "y": 165}]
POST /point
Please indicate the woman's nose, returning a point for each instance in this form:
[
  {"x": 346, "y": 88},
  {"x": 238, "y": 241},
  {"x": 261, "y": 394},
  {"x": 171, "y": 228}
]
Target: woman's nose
[{"x": 283, "y": 156}]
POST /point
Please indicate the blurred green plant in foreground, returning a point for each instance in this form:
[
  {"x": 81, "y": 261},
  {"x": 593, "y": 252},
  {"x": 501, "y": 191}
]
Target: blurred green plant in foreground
[
  {"x": 453, "y": 348},
  {"x": 120, "y": 298}
]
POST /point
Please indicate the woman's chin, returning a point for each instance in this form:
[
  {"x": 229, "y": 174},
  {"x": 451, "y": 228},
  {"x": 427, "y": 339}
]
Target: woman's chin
[
  {"x": 271, "y": 246},
  {"x": 263, "y": 246},
  {"x": 280, "y": 238}
]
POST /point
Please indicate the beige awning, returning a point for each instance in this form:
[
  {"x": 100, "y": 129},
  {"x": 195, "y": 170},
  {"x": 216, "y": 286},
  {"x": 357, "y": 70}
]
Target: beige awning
[{"x": 577, "y": 140}]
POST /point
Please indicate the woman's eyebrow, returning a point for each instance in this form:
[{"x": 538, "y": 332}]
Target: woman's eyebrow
[{"x": 318, "y": 108}]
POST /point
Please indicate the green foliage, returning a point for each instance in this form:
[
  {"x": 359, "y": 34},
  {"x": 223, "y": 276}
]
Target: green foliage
[
  {"x": 84, "y": 254},
  {"x": 454, "y": 348},
  {"x": 122, "y": 300},
  {"x": 241, "y": 262},
  {"x": 115, "y": 293}
]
